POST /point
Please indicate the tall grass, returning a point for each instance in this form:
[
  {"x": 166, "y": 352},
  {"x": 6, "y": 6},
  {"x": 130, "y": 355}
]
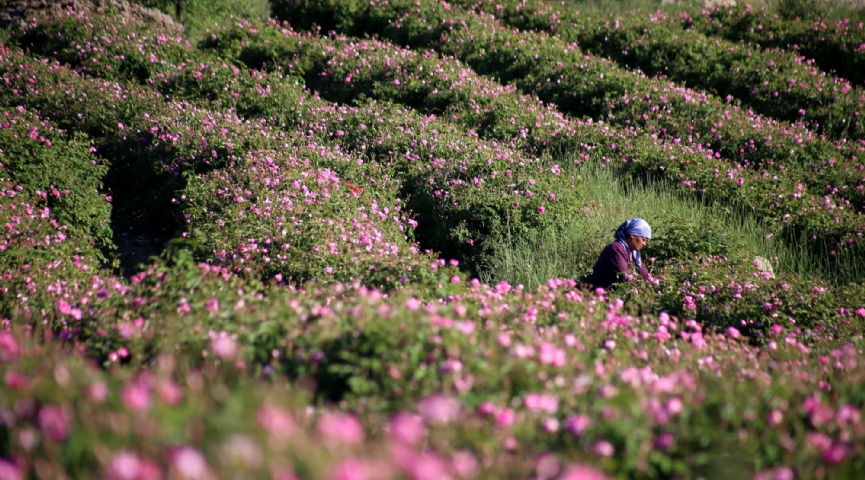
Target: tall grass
[{"x": 569, "y": 249}]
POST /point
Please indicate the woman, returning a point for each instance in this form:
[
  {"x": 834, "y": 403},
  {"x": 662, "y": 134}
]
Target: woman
[{"x": 614, "y": 261}]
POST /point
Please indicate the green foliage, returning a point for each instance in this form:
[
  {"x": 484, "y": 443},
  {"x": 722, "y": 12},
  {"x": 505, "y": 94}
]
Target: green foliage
[
  {"x": 199, "y": 16},
  {"x": 833, "y": 46},
  {"x": 682, "y": 229},
  {"x": 709, "y": 137},
  {"x": 677, "y": 238},
  {"x": 800, "y": 9},
  {"x": 61, "y": 168},
  {"x": 760, "y": 79},
  {"x": 294, "y": 320},
  {"x": 721, "y": 294}
]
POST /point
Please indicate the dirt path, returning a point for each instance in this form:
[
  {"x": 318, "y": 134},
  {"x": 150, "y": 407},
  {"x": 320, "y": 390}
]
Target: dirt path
[{"x": 136, "y": 246}]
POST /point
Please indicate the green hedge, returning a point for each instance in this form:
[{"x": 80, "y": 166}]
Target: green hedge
[
  {"x": 655, "y": 116},
  {"x": 832, "y": 46}
]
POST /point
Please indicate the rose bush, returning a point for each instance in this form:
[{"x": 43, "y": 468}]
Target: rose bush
[
  {"x": 833, "y": 46},
  {"x": 296, "y": 326},
  {"x": 586, "y": 85}
]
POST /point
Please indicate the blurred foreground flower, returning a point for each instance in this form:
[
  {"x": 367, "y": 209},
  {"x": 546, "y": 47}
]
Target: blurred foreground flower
[
  {"x": 439, "y": 408},
  {"x": 583, "y": 472}
]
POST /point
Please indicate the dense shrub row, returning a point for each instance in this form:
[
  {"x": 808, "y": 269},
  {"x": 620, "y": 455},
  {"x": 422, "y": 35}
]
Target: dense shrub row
[
  {"x": 479, "y": 207},
  {"x": 531, "y": 60},
  {"x": 395, "y": 155},
  {"x": 348, "y": 71},
  {"x": 471, "y": 378},
  {"x": 60, "y": 168},
  {"x": 832, "y": 46},
  {"x": 148, "y": 140},
  {"x": 221, "y": 361},
  {"x": 397, "y": 74},
  {"x": 751, "y": 138},
  {"x": 774, "y": 83}
]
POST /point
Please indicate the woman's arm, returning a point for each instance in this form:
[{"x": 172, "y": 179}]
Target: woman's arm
[{"x": 619, "y": 259}]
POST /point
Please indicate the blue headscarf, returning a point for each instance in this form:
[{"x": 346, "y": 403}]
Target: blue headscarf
[{"x": 633, "y": 227}]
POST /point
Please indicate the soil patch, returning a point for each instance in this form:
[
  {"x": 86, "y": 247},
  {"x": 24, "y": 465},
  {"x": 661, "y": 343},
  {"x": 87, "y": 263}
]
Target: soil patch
[{"x": 19, "y": 12}]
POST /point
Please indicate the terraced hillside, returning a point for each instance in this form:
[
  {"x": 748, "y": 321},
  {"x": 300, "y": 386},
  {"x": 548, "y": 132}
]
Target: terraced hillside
[{"x": 366, "y": 227}]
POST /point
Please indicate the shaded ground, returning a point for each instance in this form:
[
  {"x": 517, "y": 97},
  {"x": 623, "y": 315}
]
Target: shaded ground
[{"x": 136, "y": 246}]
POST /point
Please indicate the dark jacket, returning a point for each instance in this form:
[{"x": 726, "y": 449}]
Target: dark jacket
[{"x": 612, "y": 264}]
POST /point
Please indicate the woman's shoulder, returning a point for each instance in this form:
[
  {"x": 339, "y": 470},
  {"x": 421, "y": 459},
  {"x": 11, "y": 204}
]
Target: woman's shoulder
[
  {"x": 616, "y": 246},
  {"x": 613, "y": 250}
]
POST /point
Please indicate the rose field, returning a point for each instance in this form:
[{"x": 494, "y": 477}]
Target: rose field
[{"x": 348, "y": 242}]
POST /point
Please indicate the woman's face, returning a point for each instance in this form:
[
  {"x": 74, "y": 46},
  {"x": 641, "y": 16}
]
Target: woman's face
[{"x": 636, "y": 243}]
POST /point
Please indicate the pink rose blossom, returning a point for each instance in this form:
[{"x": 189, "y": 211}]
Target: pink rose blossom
[
  {"x": 124, "y": 465},
  {"x": 604, "y": 448},
  {"x": 9, "y": 471},
  {"x": 136, "y": 397},
  {"x": 583, "y": 472},
  {"x": 342, "y": 428},
  {"x": 190, "y": 464},
  {"x": 439, "y": 408},
  {"x": 350, "y": 469},
  {"x": 224, "y": 346},
  {"x": 54, "y": 422},
  {"x": 277, "y": 422},
  {"x": 464, "y": 464},
  {"x": 407, "y": 428}
]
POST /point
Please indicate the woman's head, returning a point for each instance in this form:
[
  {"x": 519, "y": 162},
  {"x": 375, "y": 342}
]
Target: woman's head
[
  {"x": 636, "y": 232},
  {"x": 636, "y": 242}
]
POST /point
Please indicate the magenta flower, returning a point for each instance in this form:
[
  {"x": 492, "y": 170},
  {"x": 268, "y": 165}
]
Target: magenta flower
[
  {"x": 413, "y": 304},
  {"x": 426, "y": 466},
  {"x": 170, "y": 392},
  {"x": 9, "y": 349},
  {"x": 536, "y": 402},
  {"x": 547, "y": 465},
  {"x": 835, "y": 453},
  {"x": 775, "y": 418},
  {"x": 190, "y": 464},
  {"x": 63, "y": 307},
  {"x": 407, "y": 428},
  {"x": 9, "y": 471},
  {"x": 464, "y": 464},
  {"x": 277, "y": 422},
  {"x": 583, "y": 472},
  {"x": 664, "y": 441},
  {"x": 223, "y": 345},
  {"x": 439, "y": 408},
  {"x": 341, "y": 428},
  {"x": 505, "y": 417},
  {"x": 577, "y": 424},
  {"x": 136, "y": 397},
  {"x": 124, "y": 465},
  {"x": 212, "y": 305},
  {"x": 350, "y": 469},
  {"x": 820, "y": 441},
  {"x": 604, "y": 448},
  {"x": 97, "y": 392},
  {"x": 54, "y": 422}
]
